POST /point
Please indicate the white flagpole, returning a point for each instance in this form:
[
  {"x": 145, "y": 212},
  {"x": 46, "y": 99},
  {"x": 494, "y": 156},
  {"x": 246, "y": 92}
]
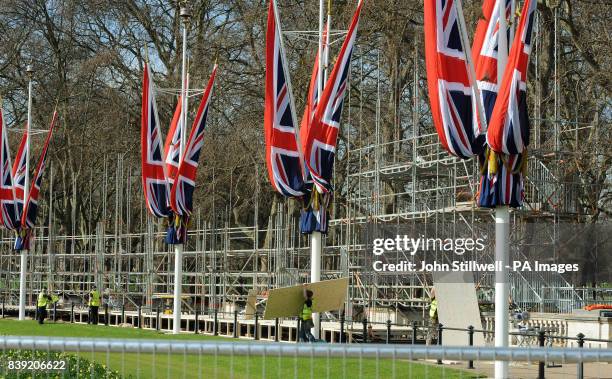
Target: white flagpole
[
  {"x": 315, "y": 271},
  {"x": 326, "y": 44},
  {"x": 321, "y": 65},
  {"x": 24, "y": 252},
  {"x": 178, "y": 248},
  {"x": 316, "y": 237},
  {"x": 502, "y": 223}
]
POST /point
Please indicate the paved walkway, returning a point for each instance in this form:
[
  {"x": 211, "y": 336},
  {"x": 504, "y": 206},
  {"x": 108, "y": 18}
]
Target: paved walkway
[{"x": 530, "y": 371}]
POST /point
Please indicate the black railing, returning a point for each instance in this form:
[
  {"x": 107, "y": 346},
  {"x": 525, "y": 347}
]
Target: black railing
[
  {"x": 350, "y": 331},
  {"x": 235, "y": 327}
]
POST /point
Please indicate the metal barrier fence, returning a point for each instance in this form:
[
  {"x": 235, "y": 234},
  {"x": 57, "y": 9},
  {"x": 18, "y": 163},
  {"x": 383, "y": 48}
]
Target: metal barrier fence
[
  {"x": 343, "y": 330},
  {"x": 118, "y": 358}
]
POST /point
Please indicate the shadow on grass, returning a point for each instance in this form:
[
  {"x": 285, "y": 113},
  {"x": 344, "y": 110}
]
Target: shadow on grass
[{"x": 177, "y": 365}]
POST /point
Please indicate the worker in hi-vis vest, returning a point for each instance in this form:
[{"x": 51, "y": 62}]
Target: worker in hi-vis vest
[
  {"x": 41, "y": 305},
  {"x": 306, "y": 317},
  {"x": 433, "y": 318},
  {"x": 94, "y": 305}
]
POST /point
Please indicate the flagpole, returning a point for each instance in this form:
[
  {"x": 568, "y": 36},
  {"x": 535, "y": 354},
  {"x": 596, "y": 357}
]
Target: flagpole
[
  {"x": 502, "y": 223},
  {"x": 178, "y": 248},
  {"x": 316, "y": 239},
  {"x": 321, "y": 25},
  {"x": 24, "y": 252},
  {"x": 326, "y": 44}
]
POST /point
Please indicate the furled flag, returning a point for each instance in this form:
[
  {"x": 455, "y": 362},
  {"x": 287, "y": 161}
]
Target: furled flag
[
  {"x": 172, "y": 147},
  {"x": 181, "y": 197},
  {"x": 450, "y": 94},
  {"x": 285, "y": 166},
  {"x": 28, "y": 218},
  {"x": 8, "y": 211},
  {"x": 320, "y": 146},
  {"x": 508, "y": 131},
  {"x": 484, "y": 52},
  {"x": 19, "y": 172},
  {"x": 501, "y": 181},
  {"x": 154, "y": 183},
  {"x": 313, "y": 216},
  {"x": 313, "y": 98}
]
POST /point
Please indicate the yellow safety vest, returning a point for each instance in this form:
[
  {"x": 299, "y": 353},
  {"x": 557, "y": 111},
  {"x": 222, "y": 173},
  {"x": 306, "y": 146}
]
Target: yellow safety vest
[
  {"x": 306, "y": 312},
  {"x": 433, "y": 309},
  {"x": 42, "y": 300},
  {"x": 94, "y": 298},
  {"x": 54, "y": 298}
]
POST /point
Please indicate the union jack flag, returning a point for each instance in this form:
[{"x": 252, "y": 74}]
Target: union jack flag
[
  {"x": 172, "y": 147},
  {"x": 19, "y": 173},
  {"x": 508, "y": 131},
  {"x": 501, "y": 181},
  {"x": 154, "y": 180},
  {"x": 322, "y": 136},
  {"x": 484, "y": 52},
  {"x": 313, "y": 215},
  {"x": 8, "y": 212},
  {"x": 176, "y": 232},
  {"x": 28, "y": 218},
  {"x": 181, "y": 196},
  {"x": 283, "y": 158},
  {"x": 453, "y": 103},
  {"x": 313, "y": 98}
]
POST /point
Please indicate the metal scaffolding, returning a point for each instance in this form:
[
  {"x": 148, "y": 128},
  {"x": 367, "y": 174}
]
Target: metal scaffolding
[
  {"x": 392, "y": 178},
  {"x": 419, "y": 184}
]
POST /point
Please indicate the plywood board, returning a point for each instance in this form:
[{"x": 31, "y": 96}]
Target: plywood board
[
  {"x": 328, "y": 295},
  {"x": 251, "y": 305},
  {"x": 457, "y": 307}
]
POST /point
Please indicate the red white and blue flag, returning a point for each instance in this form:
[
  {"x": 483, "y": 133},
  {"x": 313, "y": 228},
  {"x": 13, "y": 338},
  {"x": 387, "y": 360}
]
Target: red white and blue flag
[
  {"x": 453, "y": 103},
  {"x": 285, "y": 166},
  {"x": 501, "y": 181},
  {"x": 172, "y": 147},
  {"x": 154, "y": 183},
  {"x": 8, "y": 206},
  {"x": 322, "y": 136},
  {"x": 508, "y": 131},
  {"x": 181, "y": 197},
  {"x": 28, "y": 218},
  {"x": 313, "y": 98},
  {"x": 484, "y": 52},
  {"x": 19, "y": 172}
]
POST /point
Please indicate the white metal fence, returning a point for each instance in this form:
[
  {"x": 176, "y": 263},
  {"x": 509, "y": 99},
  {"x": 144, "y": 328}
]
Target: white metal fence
[{"x": 25, "y": 357}]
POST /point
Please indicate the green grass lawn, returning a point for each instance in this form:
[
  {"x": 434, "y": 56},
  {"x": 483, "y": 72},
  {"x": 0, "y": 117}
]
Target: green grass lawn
[
  {"x": 60, "y": 329},
  {"x": 209, "y": 366}
]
